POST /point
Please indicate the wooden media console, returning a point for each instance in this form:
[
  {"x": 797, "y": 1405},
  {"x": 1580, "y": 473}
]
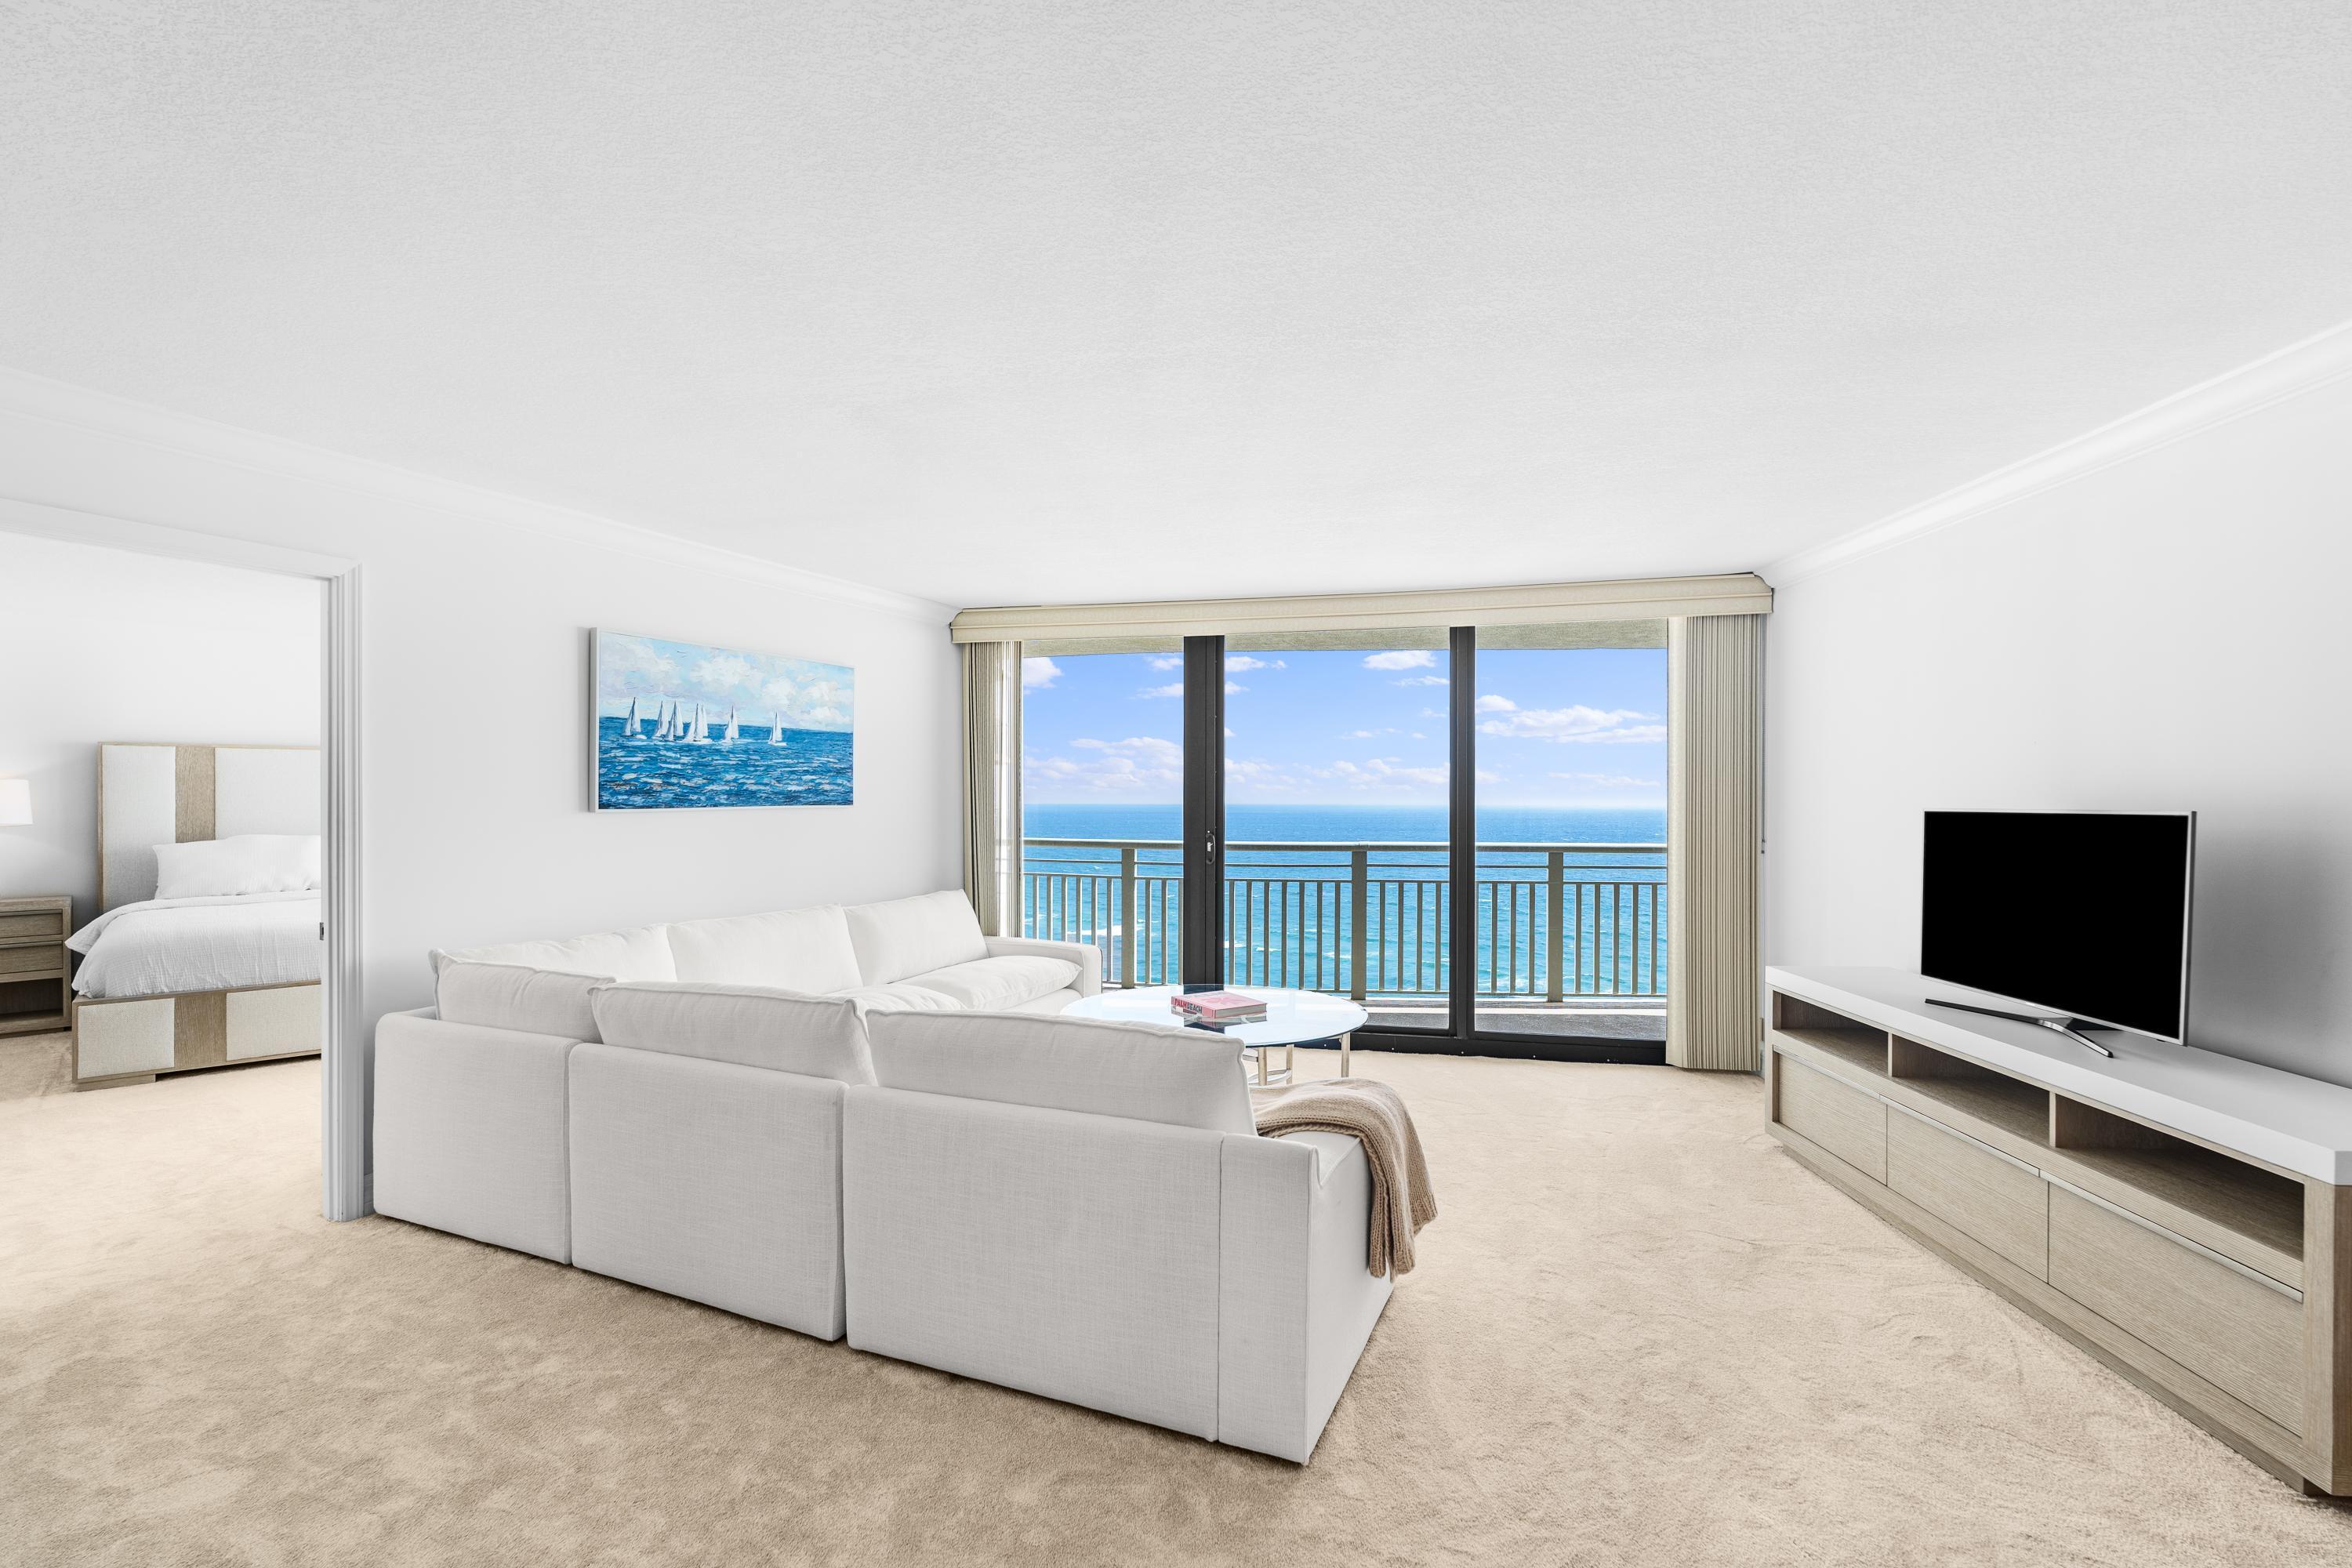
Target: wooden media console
[{"x": 2184, "y": 1215}]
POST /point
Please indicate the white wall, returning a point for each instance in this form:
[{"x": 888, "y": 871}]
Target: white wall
[
  {"x": 2169, "y": 632},
  {"x": 475, "y": 670},
  {"x": 104, "y": 644}
]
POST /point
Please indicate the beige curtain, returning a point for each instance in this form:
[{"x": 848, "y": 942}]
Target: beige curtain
[
  {"x": 1715, "y": 772},
  {"x": 991, "y": 784}
]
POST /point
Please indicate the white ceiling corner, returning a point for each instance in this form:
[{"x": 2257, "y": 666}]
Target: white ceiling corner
[{"x": 2299, "y": 368}]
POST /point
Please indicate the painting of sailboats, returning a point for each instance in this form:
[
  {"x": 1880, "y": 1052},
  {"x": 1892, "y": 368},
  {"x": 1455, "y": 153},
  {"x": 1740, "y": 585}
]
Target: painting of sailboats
[{"x": 685, "y": 726}]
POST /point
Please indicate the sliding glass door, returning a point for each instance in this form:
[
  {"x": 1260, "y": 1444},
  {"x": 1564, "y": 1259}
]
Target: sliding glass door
[
  {"x": 1571, "y": 871},
  {"x": 1103, "y": 781},
  {"x": 1462, "y": 829},
  {"x": 1337, "y": 822}
]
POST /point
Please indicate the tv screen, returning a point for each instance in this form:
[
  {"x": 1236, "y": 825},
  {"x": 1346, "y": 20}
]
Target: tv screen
[{"x": 2081, "y": 913}]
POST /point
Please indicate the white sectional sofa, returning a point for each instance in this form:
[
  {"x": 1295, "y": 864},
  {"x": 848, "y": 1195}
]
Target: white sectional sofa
[{"x": 866, "y": 1121}]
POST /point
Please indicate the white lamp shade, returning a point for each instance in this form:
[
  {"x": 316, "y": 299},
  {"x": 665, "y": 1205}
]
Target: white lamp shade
[{"x": 16, "y": 802}]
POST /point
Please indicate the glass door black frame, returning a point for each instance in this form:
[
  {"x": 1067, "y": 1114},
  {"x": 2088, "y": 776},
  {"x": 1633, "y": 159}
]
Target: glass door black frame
[{"x": 1205, "y": 870}]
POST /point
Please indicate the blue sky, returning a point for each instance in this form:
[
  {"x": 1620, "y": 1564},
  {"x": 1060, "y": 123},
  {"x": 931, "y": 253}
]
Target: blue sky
[
  {"x": 760, "y": 686},
  {"x": 1555, "y": 728}
]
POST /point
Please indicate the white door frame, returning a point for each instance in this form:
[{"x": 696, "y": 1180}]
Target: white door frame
[{"x": 343, "y": 1099}]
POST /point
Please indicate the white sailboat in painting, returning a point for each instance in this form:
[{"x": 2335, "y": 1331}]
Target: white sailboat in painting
[
  {"x": 776, "y": 730},
  {"x": 731, "y": 734},
  {"x": 629, "y": 729},
  {"x": 661, "y": 721},
  {"x": 700, "y": 732}
]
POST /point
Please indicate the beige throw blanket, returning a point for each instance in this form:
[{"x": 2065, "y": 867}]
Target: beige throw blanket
[{"x": 1374, "y": 1115}]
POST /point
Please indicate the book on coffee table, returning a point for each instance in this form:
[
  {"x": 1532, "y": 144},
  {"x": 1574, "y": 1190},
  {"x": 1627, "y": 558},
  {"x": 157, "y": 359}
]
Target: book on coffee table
[{"x": 1218, "y": 1007}]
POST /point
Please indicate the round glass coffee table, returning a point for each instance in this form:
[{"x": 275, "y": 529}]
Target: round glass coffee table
[{"x": 1292, "y": 1019}]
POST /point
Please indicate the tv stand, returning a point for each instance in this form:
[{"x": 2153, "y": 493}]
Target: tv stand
[
  {"x": 2070, "y": 1027},
  {"x": 2183, "y": 1216}
]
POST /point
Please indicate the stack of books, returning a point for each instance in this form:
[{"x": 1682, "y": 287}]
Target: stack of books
[{"x": 1217, "y": 1007}]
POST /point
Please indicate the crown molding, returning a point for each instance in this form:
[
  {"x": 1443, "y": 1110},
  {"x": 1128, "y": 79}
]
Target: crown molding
[
  {"x": 2293, "y": 370},
  {"x": 29, "y": 396}
]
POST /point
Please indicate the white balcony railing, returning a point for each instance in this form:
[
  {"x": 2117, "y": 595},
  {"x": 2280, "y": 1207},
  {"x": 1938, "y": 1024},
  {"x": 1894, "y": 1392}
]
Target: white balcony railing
[{"x": 1555, "y": 921}]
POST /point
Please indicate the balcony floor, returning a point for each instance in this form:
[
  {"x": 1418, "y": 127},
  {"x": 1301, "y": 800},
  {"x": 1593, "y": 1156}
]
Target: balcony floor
[{"x": 1606, "y": 1017}]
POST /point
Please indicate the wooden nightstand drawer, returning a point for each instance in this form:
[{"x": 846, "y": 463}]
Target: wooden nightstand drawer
[
  {"x": 42, "y": 958},
  {"x": 39, "y": 923}
]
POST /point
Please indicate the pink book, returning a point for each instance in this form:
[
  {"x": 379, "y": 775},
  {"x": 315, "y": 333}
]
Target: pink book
[{"x": 1212, "y": 1006}]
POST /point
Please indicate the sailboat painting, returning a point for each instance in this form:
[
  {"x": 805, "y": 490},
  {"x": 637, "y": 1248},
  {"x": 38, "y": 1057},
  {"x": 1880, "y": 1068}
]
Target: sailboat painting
[{"x": 684, "y": 726}]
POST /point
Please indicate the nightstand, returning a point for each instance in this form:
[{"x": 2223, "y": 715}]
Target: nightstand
[{"x": 34, "y": 994}]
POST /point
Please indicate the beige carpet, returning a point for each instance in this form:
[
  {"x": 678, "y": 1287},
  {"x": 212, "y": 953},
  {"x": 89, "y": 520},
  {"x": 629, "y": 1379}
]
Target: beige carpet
[{"x": 1639, "y": 1334}]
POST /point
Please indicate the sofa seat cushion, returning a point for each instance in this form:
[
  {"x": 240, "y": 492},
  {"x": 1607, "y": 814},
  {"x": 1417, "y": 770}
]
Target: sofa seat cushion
[
  {"x": 1185, "y": 1078},
  {"x": 509, "y": 996},
  {"x": 1000, "y": 985},
  {"x": 906, "y": 937},
  {"x": 818, "y": 1036},
  {"x": 905, "y": 996},
  {"x": 792, "y": 950},
  {"x": 641, "y": 953},
  {"x": 1050, "y": 1004}
]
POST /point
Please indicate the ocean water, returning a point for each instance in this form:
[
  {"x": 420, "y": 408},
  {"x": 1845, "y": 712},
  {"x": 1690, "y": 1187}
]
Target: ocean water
[
  {"x": 1291, "y": 913},
  {"x": 1357, "y": 824},
  {"x": 633, "y": 772}
]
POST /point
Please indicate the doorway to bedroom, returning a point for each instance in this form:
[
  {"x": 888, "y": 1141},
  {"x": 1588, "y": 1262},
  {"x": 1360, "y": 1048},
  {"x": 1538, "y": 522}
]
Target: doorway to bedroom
[{"x": 162, "y": 901}]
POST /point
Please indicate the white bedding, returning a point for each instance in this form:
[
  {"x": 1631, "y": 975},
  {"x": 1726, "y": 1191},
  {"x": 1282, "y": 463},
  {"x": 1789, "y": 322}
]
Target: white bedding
[{"x": 167, "y": 945}]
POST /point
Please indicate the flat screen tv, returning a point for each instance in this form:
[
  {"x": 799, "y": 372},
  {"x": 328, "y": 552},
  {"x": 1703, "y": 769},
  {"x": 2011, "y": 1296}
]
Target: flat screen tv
[{"x": 2082, "y": 914}]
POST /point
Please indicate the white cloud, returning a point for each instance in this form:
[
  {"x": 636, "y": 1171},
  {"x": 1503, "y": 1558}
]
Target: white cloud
[
  {"x": 1036, "y": 674},
  {"x": 1575, "y": 723},
  {"x": 1136, "y": 765},
  {"x": 1490, "y": 703},
  {"x": 1241, "y": 661},
  {"x": 1403, "y": 659},
  {"x": 1233, "y": 686},
  {"x": 1173, "y": 689},
  {"x": 1383, "y": 772},
  {"x": 1609, "y": 781},
  {"x": 1423, "y": 680},
  {"x": 1169, "y": 661},
  {"x": 725, "y": 669}
]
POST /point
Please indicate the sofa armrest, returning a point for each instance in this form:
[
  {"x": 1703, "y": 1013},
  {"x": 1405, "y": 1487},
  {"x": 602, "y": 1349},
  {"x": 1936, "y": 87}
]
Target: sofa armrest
[
  {"x": 1085, "y": 955},
  {"x": 1296, "y": 1303}
]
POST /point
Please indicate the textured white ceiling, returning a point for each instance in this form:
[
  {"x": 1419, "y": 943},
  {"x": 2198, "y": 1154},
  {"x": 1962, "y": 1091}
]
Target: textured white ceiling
[{"x": 1006, "y": 303}]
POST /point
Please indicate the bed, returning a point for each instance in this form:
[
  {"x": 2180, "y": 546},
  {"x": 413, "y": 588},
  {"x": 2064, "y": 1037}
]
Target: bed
[{"x": 175, "y": 983}]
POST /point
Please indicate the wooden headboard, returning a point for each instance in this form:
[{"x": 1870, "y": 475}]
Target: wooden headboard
[{"x": 153, "y": 793}]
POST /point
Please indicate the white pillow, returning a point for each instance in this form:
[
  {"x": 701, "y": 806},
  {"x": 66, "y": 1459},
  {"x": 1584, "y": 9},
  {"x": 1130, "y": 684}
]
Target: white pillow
[
  {"x": 245, "y": 863},
  {"x": 641, "y": 953},
  {"x": 508, "y": 996},
  {"x": 818, "y": 1036},
  {"x": 1185, "y": 1078},
  {"x": 793, "y": 949},
  {"x": 907, "y": 937}
]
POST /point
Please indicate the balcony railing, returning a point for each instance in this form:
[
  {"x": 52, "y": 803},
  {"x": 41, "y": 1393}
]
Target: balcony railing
[{"x": 1554, "y": 920}]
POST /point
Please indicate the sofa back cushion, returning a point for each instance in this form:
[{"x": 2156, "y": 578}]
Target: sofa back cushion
[
  {"x": 806, "y": 950},
  {"x": 1185, "y": 1078},
  {"x": 758, "y": 1026},
  {"x": 907, "y": 937},
  {"x": 510, "y": 996},
  {"x": 641, "y": 953}
]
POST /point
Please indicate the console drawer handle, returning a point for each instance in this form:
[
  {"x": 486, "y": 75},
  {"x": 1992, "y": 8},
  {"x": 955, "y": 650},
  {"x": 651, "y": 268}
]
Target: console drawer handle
[{"x": 2001, "y": 1155}]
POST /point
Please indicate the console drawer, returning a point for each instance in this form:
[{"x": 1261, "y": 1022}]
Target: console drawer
[
  {"x": 1984, "y": 1194},
  {"x": 2238, "y": 1330},
  {"x": 1843, "y": 1119}
]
